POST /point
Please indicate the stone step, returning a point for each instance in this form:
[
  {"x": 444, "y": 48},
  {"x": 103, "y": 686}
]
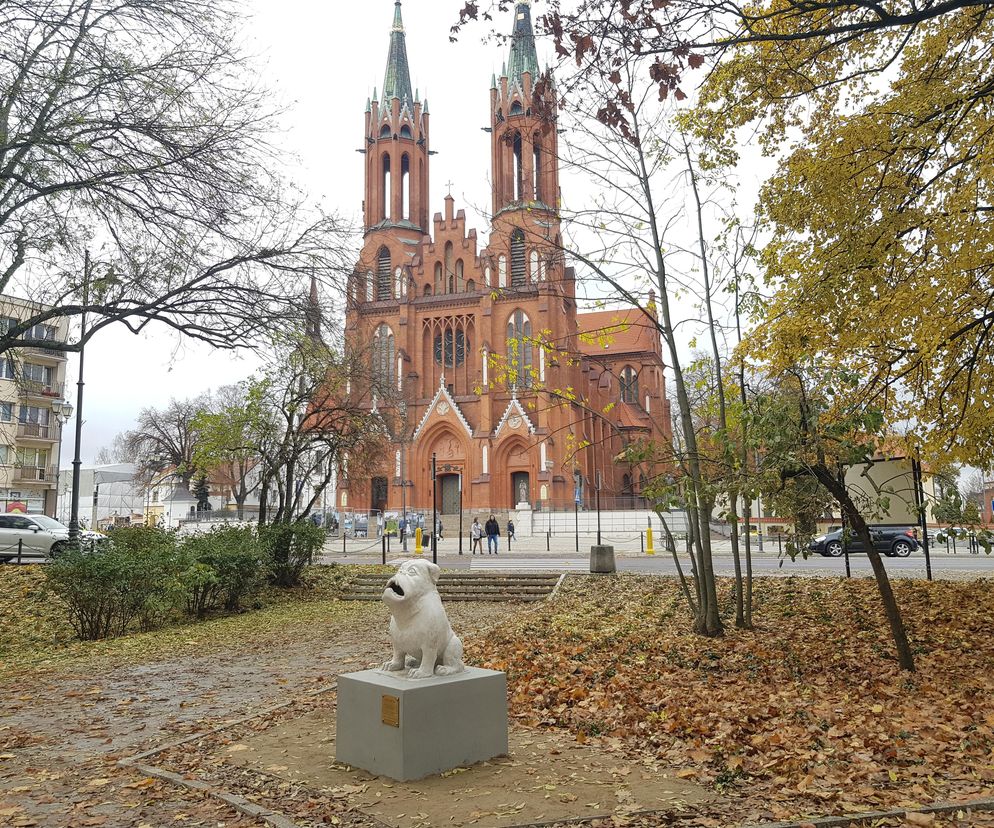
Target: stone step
[
  {"x": 488, "y": 590},
  {"x": 457, "y": 597},
  {"x": 466, "y": 586}
]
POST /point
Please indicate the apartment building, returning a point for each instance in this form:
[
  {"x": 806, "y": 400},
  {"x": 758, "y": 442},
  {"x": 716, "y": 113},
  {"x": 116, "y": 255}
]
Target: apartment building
[{"x": 31, "y": 379}]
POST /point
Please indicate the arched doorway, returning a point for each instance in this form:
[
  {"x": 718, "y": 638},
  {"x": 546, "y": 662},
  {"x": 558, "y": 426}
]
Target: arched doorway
[
  {"x": 448, "y": 493},
  {"x": 378, "y": 494}
]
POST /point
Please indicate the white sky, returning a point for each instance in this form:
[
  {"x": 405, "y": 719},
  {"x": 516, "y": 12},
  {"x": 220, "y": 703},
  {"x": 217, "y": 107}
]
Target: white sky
[{"x": 323, "y": 58}]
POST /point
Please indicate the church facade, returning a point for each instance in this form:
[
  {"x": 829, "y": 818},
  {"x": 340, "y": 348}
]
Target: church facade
[{"x": 479, "y": 354}]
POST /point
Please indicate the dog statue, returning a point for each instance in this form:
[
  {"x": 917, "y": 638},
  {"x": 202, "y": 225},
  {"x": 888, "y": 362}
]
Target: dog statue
[{"x": 423, "y": 640}]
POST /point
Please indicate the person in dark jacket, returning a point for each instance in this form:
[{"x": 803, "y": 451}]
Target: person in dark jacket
[
  {"x": 510, "y": 533},
  {"x": 493, "y": 532}
]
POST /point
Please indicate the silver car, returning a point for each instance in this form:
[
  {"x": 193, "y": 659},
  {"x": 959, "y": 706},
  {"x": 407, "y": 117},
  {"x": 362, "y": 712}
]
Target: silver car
[{"x": 32, "y": 538}]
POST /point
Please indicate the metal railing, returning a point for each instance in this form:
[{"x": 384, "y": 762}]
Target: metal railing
[
  {"x": 51, "y": 353},
  {"x": 36, "y": 474},
  {"x": 41, "y": 389},
  {"x": 38, "y": 431}
]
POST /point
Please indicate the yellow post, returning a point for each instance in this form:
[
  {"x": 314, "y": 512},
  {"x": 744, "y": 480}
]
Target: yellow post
[
  {"x": 417, "y": 541},
  {"x": 648, "y": 542}
]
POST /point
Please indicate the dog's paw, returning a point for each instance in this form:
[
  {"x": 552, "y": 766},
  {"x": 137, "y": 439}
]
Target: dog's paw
[
  {"x": 418, "y": 674},
  {"x": 446, "y": 670},
  {"x": 413, "y": 662},
  {"x": 392, "y": 666}
]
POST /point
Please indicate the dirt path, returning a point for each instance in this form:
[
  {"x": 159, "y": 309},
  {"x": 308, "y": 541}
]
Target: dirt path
[{"x": 61, "y": 735}]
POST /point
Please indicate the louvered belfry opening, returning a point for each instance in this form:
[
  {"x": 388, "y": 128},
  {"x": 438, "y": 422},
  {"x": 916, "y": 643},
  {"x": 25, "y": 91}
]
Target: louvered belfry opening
[
  {"x": 383, "y": 291},
  {"x": 519, "y": 274}
]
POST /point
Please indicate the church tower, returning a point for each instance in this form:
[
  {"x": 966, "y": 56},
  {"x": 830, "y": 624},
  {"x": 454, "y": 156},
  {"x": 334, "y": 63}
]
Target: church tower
[
  {"x": 395, "y": 209},
  {"x": 525, "y": 241},
  {"x": 525, "y": 146}
]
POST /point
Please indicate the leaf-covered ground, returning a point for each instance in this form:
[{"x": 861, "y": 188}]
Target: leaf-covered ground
[
  {"x": 808, "y": 714},
  {"x": 36, "y": 635}
]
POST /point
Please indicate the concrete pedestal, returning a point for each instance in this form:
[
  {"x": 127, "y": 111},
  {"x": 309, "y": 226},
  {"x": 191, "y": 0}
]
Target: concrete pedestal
[
  {"x": 407, "y": 729},
  {"x": 602, "y": 559},
  {"x": 523, "y": 521}
]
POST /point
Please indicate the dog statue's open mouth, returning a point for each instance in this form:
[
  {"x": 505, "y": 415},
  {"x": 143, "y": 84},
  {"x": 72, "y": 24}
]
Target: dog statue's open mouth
[{"x": 392, "y": 584}]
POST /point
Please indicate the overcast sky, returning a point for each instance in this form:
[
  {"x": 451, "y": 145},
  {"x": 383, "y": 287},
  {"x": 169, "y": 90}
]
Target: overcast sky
[{"x": 323, "y": 60}]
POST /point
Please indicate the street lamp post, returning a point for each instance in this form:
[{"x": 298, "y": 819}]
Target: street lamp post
[
  {"x": 434, "y": 514},
  {"x": 62, "y": 409}
]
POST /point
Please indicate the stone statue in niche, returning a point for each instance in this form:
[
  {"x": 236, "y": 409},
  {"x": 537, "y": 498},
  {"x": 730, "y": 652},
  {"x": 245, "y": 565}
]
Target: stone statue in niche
[
  {"x": 522, "y": 492},
  {"x": 423, "y": 641}
]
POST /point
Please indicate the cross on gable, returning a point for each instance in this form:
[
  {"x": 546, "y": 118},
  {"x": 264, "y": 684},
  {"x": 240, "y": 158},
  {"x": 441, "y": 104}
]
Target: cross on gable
[{"x": 449, "y": 184}]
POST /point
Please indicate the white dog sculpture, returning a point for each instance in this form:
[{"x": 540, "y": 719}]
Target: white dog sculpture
[{"x": 422, "y": 637}]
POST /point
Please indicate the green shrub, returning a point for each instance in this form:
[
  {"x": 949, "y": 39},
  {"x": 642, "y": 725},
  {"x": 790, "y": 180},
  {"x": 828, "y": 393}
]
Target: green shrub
[
  {"x": 221, "y": 568},
  {"x": 104, "y": 590},
  {"x": 288, "y": 548},
  {"x": 145, "y": 577}
]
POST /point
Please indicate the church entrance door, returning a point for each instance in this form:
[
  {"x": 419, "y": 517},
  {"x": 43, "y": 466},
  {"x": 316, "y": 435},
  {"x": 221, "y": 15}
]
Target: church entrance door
[
  {"x": 520, "y": 488},
  {"x": 378, "y": 494},
  {"x": 449, "y": 489}
]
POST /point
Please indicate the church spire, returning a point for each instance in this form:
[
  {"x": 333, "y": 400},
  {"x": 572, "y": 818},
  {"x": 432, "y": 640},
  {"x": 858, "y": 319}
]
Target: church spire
[
  {"x": 397, "y": 81},
  {"x": 523, "y": 58}
]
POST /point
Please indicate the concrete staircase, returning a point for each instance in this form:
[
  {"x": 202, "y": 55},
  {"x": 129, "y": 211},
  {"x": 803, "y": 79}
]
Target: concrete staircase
[{"x": 470, "y": 586}]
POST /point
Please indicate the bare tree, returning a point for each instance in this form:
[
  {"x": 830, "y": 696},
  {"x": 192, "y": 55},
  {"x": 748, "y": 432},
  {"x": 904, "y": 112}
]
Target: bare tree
[
  {"x": 166, "y": 439},
  {"x": 132, "y": 130}
]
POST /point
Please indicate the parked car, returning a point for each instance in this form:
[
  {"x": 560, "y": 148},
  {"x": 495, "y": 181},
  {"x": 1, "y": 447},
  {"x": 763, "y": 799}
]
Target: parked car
[
  {"x": 36, "y": 537},
  {"x": 887, "y": 540}
]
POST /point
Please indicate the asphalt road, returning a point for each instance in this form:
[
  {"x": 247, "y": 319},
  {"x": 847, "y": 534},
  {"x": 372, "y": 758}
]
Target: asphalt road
[{"x": 531, "y": 554}]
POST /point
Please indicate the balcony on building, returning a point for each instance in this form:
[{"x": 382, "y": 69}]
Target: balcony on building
[
  {"x": 44, "y": 390},
  {"x": 45, "y": 475},
  {"x": 39, "y": 431}
]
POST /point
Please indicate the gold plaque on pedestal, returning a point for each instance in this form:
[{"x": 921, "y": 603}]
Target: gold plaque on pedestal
[{"x": 390, "y": 711}]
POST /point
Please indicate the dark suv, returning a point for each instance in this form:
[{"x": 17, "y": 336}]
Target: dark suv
[{"x": 892, "y": 541}]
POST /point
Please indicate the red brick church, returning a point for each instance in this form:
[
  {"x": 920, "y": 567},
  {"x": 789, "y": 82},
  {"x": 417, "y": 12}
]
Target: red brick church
[{"x": 479, "y": 353}]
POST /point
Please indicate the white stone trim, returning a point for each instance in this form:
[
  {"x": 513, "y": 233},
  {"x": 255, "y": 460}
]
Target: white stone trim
[
  {"x": 443, "y": 393},
  {"x": 511, "y": 406}
]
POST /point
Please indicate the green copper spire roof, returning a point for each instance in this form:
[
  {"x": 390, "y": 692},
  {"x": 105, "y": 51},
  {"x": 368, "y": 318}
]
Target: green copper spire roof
[
  {"x": 397, "y": 82},
  {"x": 523, "y": 55}
]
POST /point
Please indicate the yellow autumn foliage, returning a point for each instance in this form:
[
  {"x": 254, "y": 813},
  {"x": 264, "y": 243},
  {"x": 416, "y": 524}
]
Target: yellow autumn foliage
[{"x": 881, "y": 212}]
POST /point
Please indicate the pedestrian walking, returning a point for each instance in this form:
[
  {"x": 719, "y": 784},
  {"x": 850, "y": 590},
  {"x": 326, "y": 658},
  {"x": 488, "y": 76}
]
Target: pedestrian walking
[
  {"x": 510, "y": 531},
  {"x": 476, "y": 533},
  {"x": 438, "y": 527},
  {"x": 493, "y": 533}
]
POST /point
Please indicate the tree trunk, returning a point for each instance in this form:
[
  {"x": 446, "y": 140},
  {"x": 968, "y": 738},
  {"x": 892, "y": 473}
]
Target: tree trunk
[
  {"x": 733, "y": 516},
  {"x": 900, "y": 635}
]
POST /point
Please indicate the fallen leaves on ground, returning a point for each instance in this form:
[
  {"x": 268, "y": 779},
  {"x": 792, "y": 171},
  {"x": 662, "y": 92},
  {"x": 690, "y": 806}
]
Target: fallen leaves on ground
[
  {"x": 807, "y": 714},
  {"x": 35, "y": 633}
]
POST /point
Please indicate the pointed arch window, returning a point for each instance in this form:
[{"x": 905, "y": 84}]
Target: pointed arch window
[
  {"x": 518, "y": 167},
  {"x": 383, "y": 285},
  {"x": 405, "y": 187},
  {"x": 629, "y": 383},
  {"x": 385, "y": 188},
  {"x": 460, "y": 276},
  {"x": 439, "y": 281},
  {"x": 384, "y": 358},
  {"x": 405, "y": 132},
  {"x": 537, "y": 167},
  {"x": 519, "y": 275},
  {"x": 450, "y": 268},
  {"x": 451, "y": 346},
  {"x": 519, "y": 350}
]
